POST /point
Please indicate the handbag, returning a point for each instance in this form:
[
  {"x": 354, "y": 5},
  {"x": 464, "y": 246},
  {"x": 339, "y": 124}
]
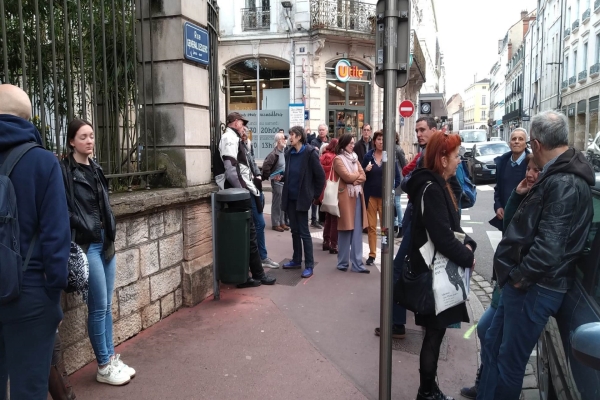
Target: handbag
[
  {"x": 449, "y": 283},
  {"x": 77, "y": 265},
  {"x": 330, "y": 203},
  {"x": 412, "y": 290}
]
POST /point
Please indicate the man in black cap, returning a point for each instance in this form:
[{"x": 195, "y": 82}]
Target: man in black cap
[{"x": 234, "y": 170}]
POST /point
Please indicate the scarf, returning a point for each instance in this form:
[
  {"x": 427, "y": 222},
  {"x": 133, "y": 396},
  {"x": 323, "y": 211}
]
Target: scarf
[{"x": 350, "y": 161}]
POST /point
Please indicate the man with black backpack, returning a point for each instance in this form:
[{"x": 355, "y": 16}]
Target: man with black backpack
[{"x": 35, "y": 238}]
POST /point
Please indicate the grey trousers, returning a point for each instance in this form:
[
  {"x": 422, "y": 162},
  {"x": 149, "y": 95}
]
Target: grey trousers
[
  {"x": 350, "y": 244},
  {"x": 276, "y": 211}
]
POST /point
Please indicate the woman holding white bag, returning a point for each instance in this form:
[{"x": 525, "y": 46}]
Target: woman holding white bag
[
  {"x": 351, "y": 201},
  {"x": 435, "y": 217}
]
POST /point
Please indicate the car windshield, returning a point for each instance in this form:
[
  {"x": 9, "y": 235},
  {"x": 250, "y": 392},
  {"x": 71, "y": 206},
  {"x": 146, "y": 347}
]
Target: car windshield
[
  {"x": 473, "y": 136},
  {"x": 492, "y": 149}
]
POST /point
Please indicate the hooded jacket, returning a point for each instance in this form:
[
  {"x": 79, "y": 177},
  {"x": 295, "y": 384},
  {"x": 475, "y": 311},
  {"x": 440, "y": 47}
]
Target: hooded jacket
[
  {"x": 42, "y": 206},
  {"x": 548, "y": 231}
]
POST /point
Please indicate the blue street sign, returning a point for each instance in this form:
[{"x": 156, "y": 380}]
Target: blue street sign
[
  {"x": 306, "y": 115},
  {"x": 195, "y": 43}
]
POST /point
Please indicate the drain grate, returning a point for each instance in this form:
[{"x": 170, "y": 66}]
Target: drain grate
[
  {"x": 287, "y": 277},
  {"x": 412, "y": 343}
]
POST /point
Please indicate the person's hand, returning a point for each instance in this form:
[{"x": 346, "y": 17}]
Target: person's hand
[
  {"x": 522, "y": 187},
  {"x": 473, "y": 266},
  {"x": 468, "y": 246},
  {"x": 369, "y": 167},
  {"x": 517, "y": 285},
  {"x": 356, "y": 183},
  {"x": 277, "y": 178},
  {"x": 500, "y": 213}
]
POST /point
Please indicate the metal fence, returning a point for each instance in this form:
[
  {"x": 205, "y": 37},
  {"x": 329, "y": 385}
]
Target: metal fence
[
  {"x": 349, "y": 15},
  {"x": 256, "y": 18},
  {"x": 214, "y": 76},
  {"x": 83, "y": 59}
]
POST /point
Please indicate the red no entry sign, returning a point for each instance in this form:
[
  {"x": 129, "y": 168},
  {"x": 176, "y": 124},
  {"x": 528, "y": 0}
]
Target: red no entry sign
[{"x": 406, "y": 109}]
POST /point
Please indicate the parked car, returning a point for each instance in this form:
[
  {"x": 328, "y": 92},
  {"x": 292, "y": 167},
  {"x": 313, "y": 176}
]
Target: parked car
[
  {"x": 471, "y": 137},
  {"x": 480, "y": 160},
  {"x": 568, "y": 351},
  {"x": 593, "y": 152}
]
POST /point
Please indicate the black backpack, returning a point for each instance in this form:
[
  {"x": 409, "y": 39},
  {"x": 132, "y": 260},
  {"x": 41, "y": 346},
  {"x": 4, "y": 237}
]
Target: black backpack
[{"x": 11, "y": 262}]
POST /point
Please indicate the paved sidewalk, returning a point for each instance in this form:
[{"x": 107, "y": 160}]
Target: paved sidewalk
[{"x": 309, "y": 340}]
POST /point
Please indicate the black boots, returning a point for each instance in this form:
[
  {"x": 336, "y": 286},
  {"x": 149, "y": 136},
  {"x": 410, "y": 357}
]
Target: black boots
[
  {"x": 429, "y": 390},
  {"x": 471, "y": 393}
]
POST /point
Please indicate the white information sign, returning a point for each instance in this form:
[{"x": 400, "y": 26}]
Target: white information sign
[
  {"x": 263, "y": 137},
  {"x": 296, "y": 112}
]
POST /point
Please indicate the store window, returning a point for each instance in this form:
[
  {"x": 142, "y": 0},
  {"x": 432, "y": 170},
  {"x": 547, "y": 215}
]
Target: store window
[
  {"x": 348, "y": 96},
  {"x": 259, "y": 89}
]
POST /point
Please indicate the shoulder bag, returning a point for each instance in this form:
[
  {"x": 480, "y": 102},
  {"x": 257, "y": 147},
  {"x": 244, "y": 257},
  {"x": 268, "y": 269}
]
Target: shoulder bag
[{"x": 330, "y": 203}]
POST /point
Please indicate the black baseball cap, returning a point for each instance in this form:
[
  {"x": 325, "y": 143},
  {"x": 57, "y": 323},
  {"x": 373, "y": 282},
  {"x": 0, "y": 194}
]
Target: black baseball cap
[{"x": 234, "y": 116}]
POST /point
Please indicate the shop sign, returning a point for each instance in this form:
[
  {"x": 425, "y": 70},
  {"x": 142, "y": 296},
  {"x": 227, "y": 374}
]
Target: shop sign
[
  {"x": 195, "y": 42},
  {"x": 296, "y": 115},
  {"x": 344, "y": 71},
  {"x": 263, "y": 136}
]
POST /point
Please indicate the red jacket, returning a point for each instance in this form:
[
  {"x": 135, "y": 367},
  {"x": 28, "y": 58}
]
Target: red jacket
[
  {"x": 327, "y": 163},
  {"x": 409, "y": 168}
]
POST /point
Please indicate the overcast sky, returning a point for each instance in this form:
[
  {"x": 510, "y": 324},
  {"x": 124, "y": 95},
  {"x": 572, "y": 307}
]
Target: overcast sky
[{"x": 469, "y": 31}]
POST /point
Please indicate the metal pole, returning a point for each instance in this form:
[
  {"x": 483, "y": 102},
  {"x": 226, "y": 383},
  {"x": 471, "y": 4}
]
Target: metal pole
[
  {"x": 387, "y": 240},
  {"x": 254, "y": 139},
  {"x": 215, "y": 209}
]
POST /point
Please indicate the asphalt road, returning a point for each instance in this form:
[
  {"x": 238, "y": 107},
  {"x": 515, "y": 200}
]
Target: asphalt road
[{"x": 486, "y": 236}]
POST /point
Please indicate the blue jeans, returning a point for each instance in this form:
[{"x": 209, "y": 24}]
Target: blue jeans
[
  {"x": 259, "y": 224},
  {"x": 484, "y": 323},
  {"x": 515, "y": 330},
  {"x": 300, "y": 235},
  {"x": 102, "y": 283},
  {"x": 27, "y": 331},
  {"x": 399, "y": 312},
  {"x": 398, "y": 219}
]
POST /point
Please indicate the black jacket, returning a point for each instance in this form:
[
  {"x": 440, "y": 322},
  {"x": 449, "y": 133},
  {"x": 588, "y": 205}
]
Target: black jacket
[
  {"x": 317, "y": 142},
  {"x": 312, "y": 180},
  {"x": 361, "y": 148},
  {"x": 86, "y": 213},
  {"x": 267, "y": 167},
  {"x": 440, "y": 220},
  {"x": 549, "y": 229}
]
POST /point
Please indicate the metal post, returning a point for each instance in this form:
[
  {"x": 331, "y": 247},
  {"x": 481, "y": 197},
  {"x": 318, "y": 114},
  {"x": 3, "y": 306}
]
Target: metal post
[
  {"x": 215, "y": 209},
  {"x": 254, "y": 139},
  {"x": 387, "y": 240}
]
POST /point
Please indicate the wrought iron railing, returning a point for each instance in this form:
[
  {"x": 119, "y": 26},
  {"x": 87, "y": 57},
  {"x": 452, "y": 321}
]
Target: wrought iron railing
[
  {"x": 214, "y": 76},
  {"x": 349, "y": 15},
  {"x": 582, "y": 76},
  {"x": 572, "y": 81},
  {"x": 83, "y": 59},
  {"x": 586, "y": 15},
  {"x": 565, "y": 84},
  {"x": 256, "y": 19},
  {"x": 567, "y": 33},
  {"x": 595, "y": 69},
  {"x": 575, "y": 25}
]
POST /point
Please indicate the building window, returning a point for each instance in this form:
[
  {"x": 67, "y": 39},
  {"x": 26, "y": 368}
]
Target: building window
[
  {"x": 483, "y": 116},
  {"x": 574, "y": 62},
  {"x": 484, "y": 88},
  {"x": 598, "y": 48},
  {"x": 585, "y": 51},
  {"x": 483, "y": 100},
  {"x": 566, "y": 69}
]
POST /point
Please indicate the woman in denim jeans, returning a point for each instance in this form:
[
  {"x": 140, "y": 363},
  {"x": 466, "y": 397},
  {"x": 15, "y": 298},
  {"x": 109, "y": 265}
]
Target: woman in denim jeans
[{"x": 94, "y": 229}]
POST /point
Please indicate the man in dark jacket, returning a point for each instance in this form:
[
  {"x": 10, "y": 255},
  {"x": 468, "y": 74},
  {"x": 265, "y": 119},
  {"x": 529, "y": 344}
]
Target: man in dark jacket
[
  {"x": 28, "y": 323},
  {"x": 317, "y": 143},
  {"x": 364, "y": 144},
  {"x": 510, "y": 170},
  {"x": 535, "y": 261},
  {"x": 304, "y": 180}
]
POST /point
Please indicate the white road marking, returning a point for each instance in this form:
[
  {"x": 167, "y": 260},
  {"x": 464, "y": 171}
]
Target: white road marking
[
  {"x": 485, "y": 188},
  {"x": 464, "y": 217},
  {"x": 495, "y": 237},
  {"x": 467, "y": 229}
]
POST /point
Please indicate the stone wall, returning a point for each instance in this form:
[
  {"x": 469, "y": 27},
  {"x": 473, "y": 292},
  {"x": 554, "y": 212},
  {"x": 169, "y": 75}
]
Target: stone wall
[{"x": 164, "y": 261}]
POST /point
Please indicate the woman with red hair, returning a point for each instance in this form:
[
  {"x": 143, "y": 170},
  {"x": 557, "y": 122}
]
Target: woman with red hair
[
  {"x": 438, "y": 219},
  {"x": 330, "y": 232}
]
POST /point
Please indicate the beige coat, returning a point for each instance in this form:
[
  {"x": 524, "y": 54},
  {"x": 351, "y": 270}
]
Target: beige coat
[{"x": 347, "y": 204}]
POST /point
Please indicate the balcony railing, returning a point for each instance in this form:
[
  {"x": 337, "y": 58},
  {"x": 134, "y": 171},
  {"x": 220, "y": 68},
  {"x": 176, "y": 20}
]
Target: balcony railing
[
  {"x": 596, "y": 5},
  {"x": 567, "y": 33},
  {"x": 595, "y": 70},
  {"x": 572, "y": 81},
  {"x": 575, "y": 26},
  {"x": 586, "y": 15},
  {"x": 582, "y": 76},
  {"x": 348, "y": 15},
  {"x": 256, "y": 19},
  {"x": 565, "y": 84}
]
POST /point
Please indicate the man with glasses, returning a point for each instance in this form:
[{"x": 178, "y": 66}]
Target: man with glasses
[{"x": 364, "y": 144}]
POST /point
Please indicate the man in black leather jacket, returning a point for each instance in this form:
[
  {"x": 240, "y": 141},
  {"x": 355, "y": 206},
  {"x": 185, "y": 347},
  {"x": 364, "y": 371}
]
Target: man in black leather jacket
[{"x": 535, "y": 261}]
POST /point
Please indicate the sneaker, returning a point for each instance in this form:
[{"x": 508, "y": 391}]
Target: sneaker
[
  {"x": 121, "y": 366},
  {"x": 111, "y": 375},
  {"x": 292, "y": 265},
  {"x": 265, "y": 279},
  {"x": 316, "y": 225},
  {"x": 249, "y": 283},
  {"x": 370, "y": 261},
  {"x": 268, "y": 263},
  {"x": 307, "y": 273},
  {"x": 469, "y": 392},
  {"x": 398, "y": 332}
]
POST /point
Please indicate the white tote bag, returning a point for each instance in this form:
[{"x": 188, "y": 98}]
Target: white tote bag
[
  {"x": 330, "y": 203},
  {"x": 450, "y": 283}
]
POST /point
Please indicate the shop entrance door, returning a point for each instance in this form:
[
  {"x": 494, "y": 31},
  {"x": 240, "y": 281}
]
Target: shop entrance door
[{"x": 345, "y": 121}]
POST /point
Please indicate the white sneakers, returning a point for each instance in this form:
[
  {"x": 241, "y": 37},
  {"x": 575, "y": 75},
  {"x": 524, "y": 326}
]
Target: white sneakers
[
  {"x": 268, "y": 263},
  {"x": 115, "y": 373}
]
